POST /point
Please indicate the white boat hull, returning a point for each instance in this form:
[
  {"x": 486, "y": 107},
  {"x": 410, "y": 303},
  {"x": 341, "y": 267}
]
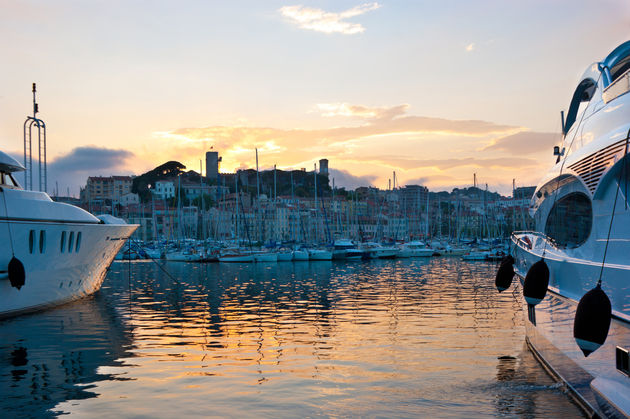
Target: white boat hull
[
  {"x": 54, "y": 277},
  {"x": 183, "y": 257},
  {"x": 300, "y": 256},
  {"x": 320, "y": 255},
  {"x": 241, "y": 258},
  {"x": 550, "y": 328},
  {"x": 285, "y": 257},
  {"x": 266, "y": 257}
]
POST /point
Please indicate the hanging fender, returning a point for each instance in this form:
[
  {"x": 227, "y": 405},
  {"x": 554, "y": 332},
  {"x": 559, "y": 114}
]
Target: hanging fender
[
  {"x": 505, "y": 273},
  {"x": 592, "y": 320},
  {"x": 536, "y": 282},
  {"x": 17, "y": 275}
]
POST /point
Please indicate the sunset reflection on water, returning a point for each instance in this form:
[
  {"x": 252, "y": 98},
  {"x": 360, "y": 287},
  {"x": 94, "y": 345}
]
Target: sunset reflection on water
[{"x": 378, "y": 338}]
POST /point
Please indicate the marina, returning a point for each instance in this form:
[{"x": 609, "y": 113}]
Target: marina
[{"x": 338, "y": 209}]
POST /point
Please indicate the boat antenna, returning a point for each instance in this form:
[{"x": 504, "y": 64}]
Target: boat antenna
[{"x": 28, "y": 147}]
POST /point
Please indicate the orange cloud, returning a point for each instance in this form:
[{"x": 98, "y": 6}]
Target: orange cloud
[{"x": 387, "y": 140}]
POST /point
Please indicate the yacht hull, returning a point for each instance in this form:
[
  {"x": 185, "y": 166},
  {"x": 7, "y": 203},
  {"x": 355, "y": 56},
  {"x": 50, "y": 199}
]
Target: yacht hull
[
  {"x": 593, "y": 381},
  {"x": 57, "y": 268}
]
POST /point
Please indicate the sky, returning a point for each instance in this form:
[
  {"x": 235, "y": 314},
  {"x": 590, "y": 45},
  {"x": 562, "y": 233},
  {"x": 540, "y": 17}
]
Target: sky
[{"x": 434, "y": 91}]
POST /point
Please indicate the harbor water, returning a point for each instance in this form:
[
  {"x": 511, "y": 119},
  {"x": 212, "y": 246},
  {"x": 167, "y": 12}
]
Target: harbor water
[{"x": 391, "y": 338}]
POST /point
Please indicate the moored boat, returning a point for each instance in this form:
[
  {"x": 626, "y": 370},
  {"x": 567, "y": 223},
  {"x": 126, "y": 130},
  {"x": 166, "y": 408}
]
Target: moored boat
[
  {"x": 319, "y": 254},
  {"x": 53, "y": 252},
  {"x": 265, "y": 257},
  {"x": 300, "y": 255},
  {"x": 415, "y": 248},
  {"x": 285, "y": 256},
  {"x": 186, "y": 255},
  {"x": 575, "y": 266},
  {"x": 236, "y": 256}
]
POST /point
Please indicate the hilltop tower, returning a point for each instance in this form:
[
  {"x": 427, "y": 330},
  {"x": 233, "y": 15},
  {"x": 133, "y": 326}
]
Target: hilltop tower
[
  {"x": 212, "y": 165},
  {"x": 323, "y": 167}
]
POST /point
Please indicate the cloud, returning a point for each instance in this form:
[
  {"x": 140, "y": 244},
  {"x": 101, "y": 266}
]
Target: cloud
[
  {"x": 426, "y": 180},
  {"x": 71, "y": 170},
  {"x": 470, "y": 47},
  {"x": 447, "y": 164},
  {"x": 443, "y": 152},
  {"x": 90, "y": 159},
  {"x": 327, "y": 22},
  {"x": 359, "y": 111},
  {"x": 525, "y": 142},
  {"x": 344, "y": 179}
]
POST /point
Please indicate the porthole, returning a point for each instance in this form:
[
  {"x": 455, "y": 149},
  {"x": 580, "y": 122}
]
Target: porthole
[
  {"x": 31, "y": 241},
  {"x": 570, "y": 220},
  {"x": 78, "y": 242},
  {"x": 42, "y": 241},
  {"x": 62, "y": 246},
  {"x": 70, "y": 241}
]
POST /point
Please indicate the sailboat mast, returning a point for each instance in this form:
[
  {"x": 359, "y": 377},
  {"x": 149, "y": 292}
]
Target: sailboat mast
[{"x": 316, "y": 212}]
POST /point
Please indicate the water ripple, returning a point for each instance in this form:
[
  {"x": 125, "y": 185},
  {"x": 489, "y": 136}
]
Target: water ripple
[{"x": 385, "y": 338}]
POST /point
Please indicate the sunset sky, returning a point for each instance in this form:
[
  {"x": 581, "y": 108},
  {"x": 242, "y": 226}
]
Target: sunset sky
[{"x": 435, "y": 91}]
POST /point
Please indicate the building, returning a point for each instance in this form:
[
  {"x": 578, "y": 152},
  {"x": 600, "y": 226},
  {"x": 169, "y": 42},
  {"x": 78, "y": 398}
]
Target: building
[
  {"x": 129, "y": 199},
  {"x": 323, "y": 167},
  {"x": 164, "y": 189},
  {"x": 100, "y": 188},
  {"x": 212, "y": 165}
]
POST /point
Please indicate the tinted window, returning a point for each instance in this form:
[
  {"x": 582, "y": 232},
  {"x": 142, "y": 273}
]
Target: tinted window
[
  {"x": 31, "y": 241},
  {"x": 570, "y": 220},
  {"x": 42, "y": 241},
  {"x": 63, "y": 241}
]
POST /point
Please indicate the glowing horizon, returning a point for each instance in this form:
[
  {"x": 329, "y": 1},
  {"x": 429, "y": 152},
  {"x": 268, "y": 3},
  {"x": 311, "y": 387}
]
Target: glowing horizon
[{"x": 431, "y": 92}]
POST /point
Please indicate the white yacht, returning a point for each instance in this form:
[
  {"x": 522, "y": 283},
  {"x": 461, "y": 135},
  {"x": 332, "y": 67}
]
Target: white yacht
[
  {"x": 575, "y": 268},
  {"x": 346, "y": 249},
  {"x": 52, "y": 252},
  {"x": 319, "y": 254},
  {"x": 378, "y": 251},
  {"x": 415, "y": 248}
]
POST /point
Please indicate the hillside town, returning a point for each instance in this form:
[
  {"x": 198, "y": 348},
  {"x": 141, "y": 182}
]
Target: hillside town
[{"x": 170, "y": 203}]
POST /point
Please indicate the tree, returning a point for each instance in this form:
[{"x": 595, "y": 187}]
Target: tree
[{"x": 141, "y": 184}]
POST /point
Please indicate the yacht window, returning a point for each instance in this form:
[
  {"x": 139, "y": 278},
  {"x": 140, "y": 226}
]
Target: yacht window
[
  {"x": 70, "y": 241},
  {"x": 583, "y": 93},
  {"x": 10, "y": 181},
  {"x": 63, "y": 241},
  {"x": 620, "y": 68},
  {"x": 570, "y": 220},
  {"x": 42, "y": 241},
  {"x": 7, "y": 180},
  {"x": 31, "y": 241},
  {"x": 78, "y": 241}
]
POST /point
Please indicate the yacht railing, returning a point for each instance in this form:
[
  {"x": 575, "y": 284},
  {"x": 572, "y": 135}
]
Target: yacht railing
[
  {"x": 520, "y": 241},
  {"x": 617, "y": 88}
]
